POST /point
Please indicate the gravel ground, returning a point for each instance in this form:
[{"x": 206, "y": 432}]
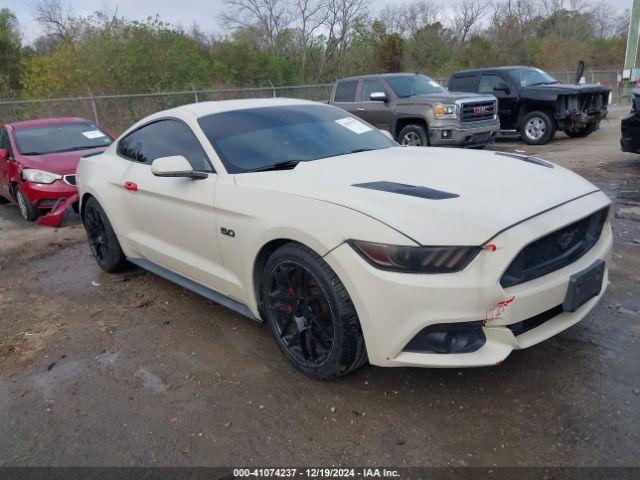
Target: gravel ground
[{"x": 129, "y": 369}]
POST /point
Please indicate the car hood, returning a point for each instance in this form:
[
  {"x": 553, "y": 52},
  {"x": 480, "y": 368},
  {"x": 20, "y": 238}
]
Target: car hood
[
  {"x": 62, "y": 162},
  {"x": 444, "y": 97},
  {"x": 565, "y": 89},
  {"x": 494, "y": 192}
]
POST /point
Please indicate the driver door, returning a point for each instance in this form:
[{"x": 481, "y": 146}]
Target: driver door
[{"x": 171, "y": 221}]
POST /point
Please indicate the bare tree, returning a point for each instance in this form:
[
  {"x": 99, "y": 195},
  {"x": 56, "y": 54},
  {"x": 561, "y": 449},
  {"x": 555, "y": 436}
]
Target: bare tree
[
  {"x": 56, "y": 20},
  {"x": 272, "y": 17},
  {"x": 311, "y": 16},
  {"x": 408, "y": 18},
  {"x": 341, "y": 18},
  {"x": 466, "y": 17}
]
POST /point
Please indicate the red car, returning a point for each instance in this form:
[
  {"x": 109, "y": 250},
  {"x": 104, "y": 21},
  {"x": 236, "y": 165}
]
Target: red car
[{"x": 38, "y": 160}]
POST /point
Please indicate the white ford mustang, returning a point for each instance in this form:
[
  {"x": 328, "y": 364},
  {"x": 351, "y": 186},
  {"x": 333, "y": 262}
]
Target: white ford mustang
[{"x": 348, "y": 246}]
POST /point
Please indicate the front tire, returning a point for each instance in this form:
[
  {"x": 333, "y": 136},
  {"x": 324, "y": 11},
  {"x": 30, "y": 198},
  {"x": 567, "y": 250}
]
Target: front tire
[
  {"x": 28, "y": 211},
  {"x": 537, "y": 128},
  {"x": 414, "y": 135},
  {"x": 102, "y": 239},
  {"x": 310, "y": 314}
]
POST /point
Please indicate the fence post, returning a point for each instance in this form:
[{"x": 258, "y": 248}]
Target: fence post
[
  {"x": 195, "y": 93},
  {"x": 273, "y": 88},
  {"x": 95, "y": 109}
]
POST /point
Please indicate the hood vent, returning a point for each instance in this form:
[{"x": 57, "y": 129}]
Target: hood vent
[
  {"x": 525, "y": 158},
  {"x": 410, "y": 190}
]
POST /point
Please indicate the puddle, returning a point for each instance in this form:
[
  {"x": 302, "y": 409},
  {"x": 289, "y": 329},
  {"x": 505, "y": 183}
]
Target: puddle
[{"x": 150, "y": 382}]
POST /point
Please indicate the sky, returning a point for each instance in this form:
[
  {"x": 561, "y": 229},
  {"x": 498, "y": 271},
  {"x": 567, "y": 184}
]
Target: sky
[{"x": 183, "y": 12}]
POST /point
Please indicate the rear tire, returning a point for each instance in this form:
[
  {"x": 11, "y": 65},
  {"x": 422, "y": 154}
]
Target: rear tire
[
  {"x": 414, "y": 135},
  {"x": 310, "y": 314},
  {"x": 581, "y": 132},
  {"x": 537, "y": 128},
  {"x": 28, "y": 211},
  {"x": 102, "y": 239}
]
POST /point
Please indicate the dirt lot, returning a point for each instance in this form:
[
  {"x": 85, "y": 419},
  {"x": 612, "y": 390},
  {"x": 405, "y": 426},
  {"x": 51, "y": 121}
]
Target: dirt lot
[{"x": 98, "y": 369}]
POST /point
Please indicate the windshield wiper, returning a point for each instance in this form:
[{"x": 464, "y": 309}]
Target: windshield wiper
[
  {"x": 286, "y": 165},
  {"x": 33, "y": 153},
  {"x": 72, "y": 149},
  {"x": 358, "y": 150}
]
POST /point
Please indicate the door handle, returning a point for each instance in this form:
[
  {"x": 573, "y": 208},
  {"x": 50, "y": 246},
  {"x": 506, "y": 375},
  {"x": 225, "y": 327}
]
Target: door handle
[
  {"x": 361, "y": 109},
  {"x": 130, "y": 186}
]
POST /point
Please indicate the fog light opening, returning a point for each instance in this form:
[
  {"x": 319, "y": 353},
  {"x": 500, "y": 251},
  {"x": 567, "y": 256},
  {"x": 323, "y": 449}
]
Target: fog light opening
[
  {"x": 446, "y": 338},
  {"x": 447, "y": 134}
]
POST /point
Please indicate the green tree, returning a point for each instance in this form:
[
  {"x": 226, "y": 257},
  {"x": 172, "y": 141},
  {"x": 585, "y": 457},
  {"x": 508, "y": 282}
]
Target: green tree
[{"x": 10, "y": 46}]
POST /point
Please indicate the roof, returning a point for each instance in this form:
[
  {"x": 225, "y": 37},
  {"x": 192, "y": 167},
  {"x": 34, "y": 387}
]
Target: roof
[
  {"x": 484, "y": 69},
  {"x": 43, "y": 122},
  {"x": 377, "y": 75},
  {"x": 207, "y": 108}
]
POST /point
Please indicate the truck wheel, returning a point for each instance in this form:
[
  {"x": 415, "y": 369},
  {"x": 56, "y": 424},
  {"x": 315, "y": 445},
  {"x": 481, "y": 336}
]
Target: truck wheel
[
  {"x": 537, "y": 128},
  {"x": 582, "y": 132},
  {"x": 414, "y": 135}
]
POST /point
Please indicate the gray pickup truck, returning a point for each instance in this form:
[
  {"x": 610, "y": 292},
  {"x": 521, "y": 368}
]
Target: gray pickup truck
[{"x": 418, "y": 111}]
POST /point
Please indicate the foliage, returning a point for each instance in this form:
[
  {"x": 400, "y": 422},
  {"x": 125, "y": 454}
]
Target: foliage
[{"x": 301, "y": 41}]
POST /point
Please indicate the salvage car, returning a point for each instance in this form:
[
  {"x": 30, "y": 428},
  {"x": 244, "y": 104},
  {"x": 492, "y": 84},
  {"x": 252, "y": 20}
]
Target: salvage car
[
  {"x": 534, "y": 104},
  {"x": 418, "y": 111},
  {"x": 630, "y": 127},
  {"x": 347, "y": 245},
  {"x": 38, "y": 160}
]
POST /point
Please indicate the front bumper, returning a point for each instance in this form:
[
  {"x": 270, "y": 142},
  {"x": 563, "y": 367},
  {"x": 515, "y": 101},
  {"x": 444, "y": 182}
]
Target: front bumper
[
  {"x": 394, "y": 307},
  {"x": 46, "y": 195},
  {"x": 457, "y": 136}
]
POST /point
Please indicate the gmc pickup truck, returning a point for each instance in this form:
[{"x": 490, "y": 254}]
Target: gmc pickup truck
[
  {"x": 418, "y": 111},
  {"x": 536, "y": 105}
]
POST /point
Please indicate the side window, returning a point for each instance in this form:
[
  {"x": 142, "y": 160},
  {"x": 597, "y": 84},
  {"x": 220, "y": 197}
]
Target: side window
[
  {"x": 346, "y": 91},
  {"x": 464, "y": 83},
  {"x": 488, "y": 81},
  {"x": 370, "y": 86},
  {"x": 164, "y": 138}
]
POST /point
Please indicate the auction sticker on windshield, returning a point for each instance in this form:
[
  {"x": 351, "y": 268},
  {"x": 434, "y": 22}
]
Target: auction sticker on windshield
[
  {"x": 93, "y": 134},
  {"x": 353, "y": 125}
]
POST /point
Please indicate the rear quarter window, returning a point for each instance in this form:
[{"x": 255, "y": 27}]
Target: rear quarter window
[
  {"x": 346, "y": 91},
  {"x": 464, "y": 83}
]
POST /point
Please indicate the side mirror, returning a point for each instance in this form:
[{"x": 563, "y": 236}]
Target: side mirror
[
  {"x": 176, "y": 166},
  {"x": 4, "y": 153},
  {"x": 501, "y": 87},
  {"x": 378, "y": 97}
]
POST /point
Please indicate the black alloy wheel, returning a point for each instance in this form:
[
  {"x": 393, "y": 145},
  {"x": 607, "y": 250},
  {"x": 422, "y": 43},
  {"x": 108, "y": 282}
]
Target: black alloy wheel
[
  {"x": 302, "y": 313},
  {"x": 311, "y": 316},
  {"x": 102, "y": 239}
]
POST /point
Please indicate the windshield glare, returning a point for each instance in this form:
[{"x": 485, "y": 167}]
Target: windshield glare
[
  {"x": 532, "y": 76},
  {"x": 256, "y": 138},
  {"x": 60, "y": 138},
  {"x": 407, "y": 86}
]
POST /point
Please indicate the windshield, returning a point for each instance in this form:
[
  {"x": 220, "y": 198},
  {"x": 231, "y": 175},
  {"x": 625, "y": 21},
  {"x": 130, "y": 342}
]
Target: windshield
[
  {"x": 409, "y": 85},
  {"x": 256, "y": 138},
  {"x": 531, "y": 76},
  {"x": 60, "y": 138}
]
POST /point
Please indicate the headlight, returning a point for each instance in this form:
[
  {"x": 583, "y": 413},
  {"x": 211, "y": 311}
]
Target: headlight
[
  {"x": 415, "y": 259},
  {"x": 446, "y": 111},
  {"x": 39, "y": 176}
]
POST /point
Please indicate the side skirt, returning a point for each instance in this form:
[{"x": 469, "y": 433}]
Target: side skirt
[{"x": 194, "y": 287}]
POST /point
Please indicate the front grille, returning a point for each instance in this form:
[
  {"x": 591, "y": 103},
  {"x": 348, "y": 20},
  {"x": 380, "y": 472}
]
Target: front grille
[
  {"x": 70, "y": 179},
  {"x": 555, "y": 250},
  {"x": 477, "y": 111}
]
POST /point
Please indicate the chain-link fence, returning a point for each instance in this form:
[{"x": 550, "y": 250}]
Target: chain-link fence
[{"x": 115, "y": 113}]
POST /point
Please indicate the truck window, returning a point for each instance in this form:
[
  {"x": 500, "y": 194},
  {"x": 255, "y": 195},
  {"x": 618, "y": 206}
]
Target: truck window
[
  {"x": 488, "y": 81},
  {"x": 464, "y": 83},
  {"x": 346, "y": 91},
  {"x": 369, "y": 87}
]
